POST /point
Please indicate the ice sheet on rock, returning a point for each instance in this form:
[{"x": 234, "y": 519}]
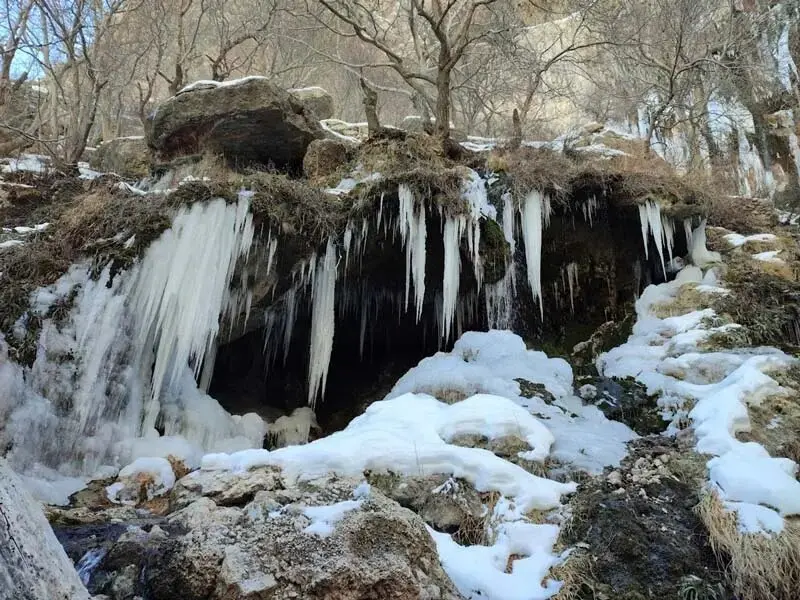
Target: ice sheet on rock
[
  {"x": 480, "y": 572},
  {"x": 486, "y": 362},
  {"x": 407, "y": 435}
]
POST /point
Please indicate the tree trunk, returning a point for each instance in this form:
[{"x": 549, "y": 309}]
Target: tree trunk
[
  {"x": 370, "y": 108},
  {"x": 516, "y": 131},
  {"x": 443, "y": 104}
]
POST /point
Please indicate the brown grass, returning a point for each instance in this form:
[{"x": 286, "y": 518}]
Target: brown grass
[
  {"x": 576, "y": 576},
  {"x": 760, "y": 567},
  {"x": 687, "y": 300},
  {"x": 742, "y": 215},
  {"x": 629, "y": 180}
]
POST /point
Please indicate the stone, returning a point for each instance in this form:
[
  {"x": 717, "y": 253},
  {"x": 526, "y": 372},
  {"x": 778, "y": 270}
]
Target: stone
[
  {"x": 127, "y": 157},
  {"x": 33, "y": 565},
  {"x": 225, "y": 488},
  {"x": 324, "y": 158},
  {"x": 377, "y": 549},
  {"x": 615, "y": 478},
  {"x": 316, "y": 99},
  {"x": 249, "y": 121}
]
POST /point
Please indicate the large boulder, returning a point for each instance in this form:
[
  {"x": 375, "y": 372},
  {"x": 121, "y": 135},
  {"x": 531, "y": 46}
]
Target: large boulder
[
  {"x": 323, "y": 158},
  {"x": 246, "y": 121},
  {"x": 316, "y": 99},
  {"x": 127, "y": 157},
  {"x": 255, "y": 534},
  {"x": 33, "y": 566}
]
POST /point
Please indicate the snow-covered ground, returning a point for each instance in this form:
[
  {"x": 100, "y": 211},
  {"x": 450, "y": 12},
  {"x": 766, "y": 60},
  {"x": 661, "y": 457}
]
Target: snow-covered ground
[
  {"x": 409, "y": 432},
  {"x": 672, "y": 357}
]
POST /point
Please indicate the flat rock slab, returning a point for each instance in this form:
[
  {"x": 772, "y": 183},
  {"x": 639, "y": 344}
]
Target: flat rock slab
[{"x": 246, "y": 121}]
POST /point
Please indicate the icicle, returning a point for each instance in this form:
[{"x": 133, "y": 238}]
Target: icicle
[
  {"x": 508, "y": 221},
  {"x": 362, "y": 333},
  {"x": 347, "y": 240},
  {"x": 645, "y": 229},
  {"x": 687, "y": 229},
  {"x": 669, "y": 235},
  {"x": 535, "y": 209},
  {"x": 184, "y": 286},
  {"x": 572, "y": 278},
  {"x": 453, "y": 230},
  {"x": 380, "y": 213},
  {"x": 654, "y": 220},
  {"x": 413, "y": 233},
  {"x": 323, "y": 317},
  {"x": 290, "y": 304},
  {"x": 499, "y": 298}
]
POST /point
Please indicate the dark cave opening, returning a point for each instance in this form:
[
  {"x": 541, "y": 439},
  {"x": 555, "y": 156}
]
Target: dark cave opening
[{"x": 610, "y": 270}]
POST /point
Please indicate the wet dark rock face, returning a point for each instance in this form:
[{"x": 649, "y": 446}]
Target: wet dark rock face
[{"x": 638, "y": 528}]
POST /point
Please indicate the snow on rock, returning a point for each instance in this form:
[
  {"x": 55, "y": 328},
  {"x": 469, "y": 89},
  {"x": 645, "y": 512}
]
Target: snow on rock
[
  {"x": 150, "y": 477},
  {"x": 742, "y": 472},
  {"x": 480, "y": 572},
  {"x": 32, "y": 562},
  {"x": 771, "y": 256},
  {"x": 32, "y": 163},
  {"x": 487, "y": 363},
  {"x": 408, "y": 435},
  {"x": 737, "y": 240},
  {"x": 324, "y": 518},
  {"x": 203, "y": 84}
]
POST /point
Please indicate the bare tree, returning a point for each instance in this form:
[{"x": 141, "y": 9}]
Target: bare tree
[{"x": 440, "y": 33}]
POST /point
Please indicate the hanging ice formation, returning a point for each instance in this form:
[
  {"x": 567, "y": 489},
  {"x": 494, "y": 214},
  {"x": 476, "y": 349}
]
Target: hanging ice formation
[
  {"x": 183, "y": 285},
  {"x": 130, "y": 350},
  {"x": 572, "y": 279},
  {"x": 413, "y": 234},
  {"x": 654, "y": 222},
  {"x": 323, "y": 318},
  {"x": 453, "y": 230},
  {"x": 535, "y": 211}
]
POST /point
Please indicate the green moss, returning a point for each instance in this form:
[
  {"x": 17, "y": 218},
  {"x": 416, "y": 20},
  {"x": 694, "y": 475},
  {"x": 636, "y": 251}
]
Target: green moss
[{"x": 495, "y": 251}]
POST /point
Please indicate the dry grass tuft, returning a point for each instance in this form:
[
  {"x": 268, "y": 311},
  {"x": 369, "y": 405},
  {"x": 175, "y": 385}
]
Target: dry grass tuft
[
  {"x": 628, "y": 180},
  {"x": 576, "y": 576},
  {"x": 687, "y": 300},
  {"x": 390, "y": 155},
  {"x": 743, "y": 215},
  {"x": 535, "y": 169},
  {"x": 760, "y": 567}
]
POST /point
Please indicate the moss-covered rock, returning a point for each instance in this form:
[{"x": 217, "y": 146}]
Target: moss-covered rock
[
  {"x": 495, "y": 251},
  {"x": 127, "y": 157}
]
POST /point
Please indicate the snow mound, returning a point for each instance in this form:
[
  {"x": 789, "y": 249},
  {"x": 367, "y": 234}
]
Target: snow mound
[
  {"x": 486, "y": 363},
  {"x": 408, "y": 435}
]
